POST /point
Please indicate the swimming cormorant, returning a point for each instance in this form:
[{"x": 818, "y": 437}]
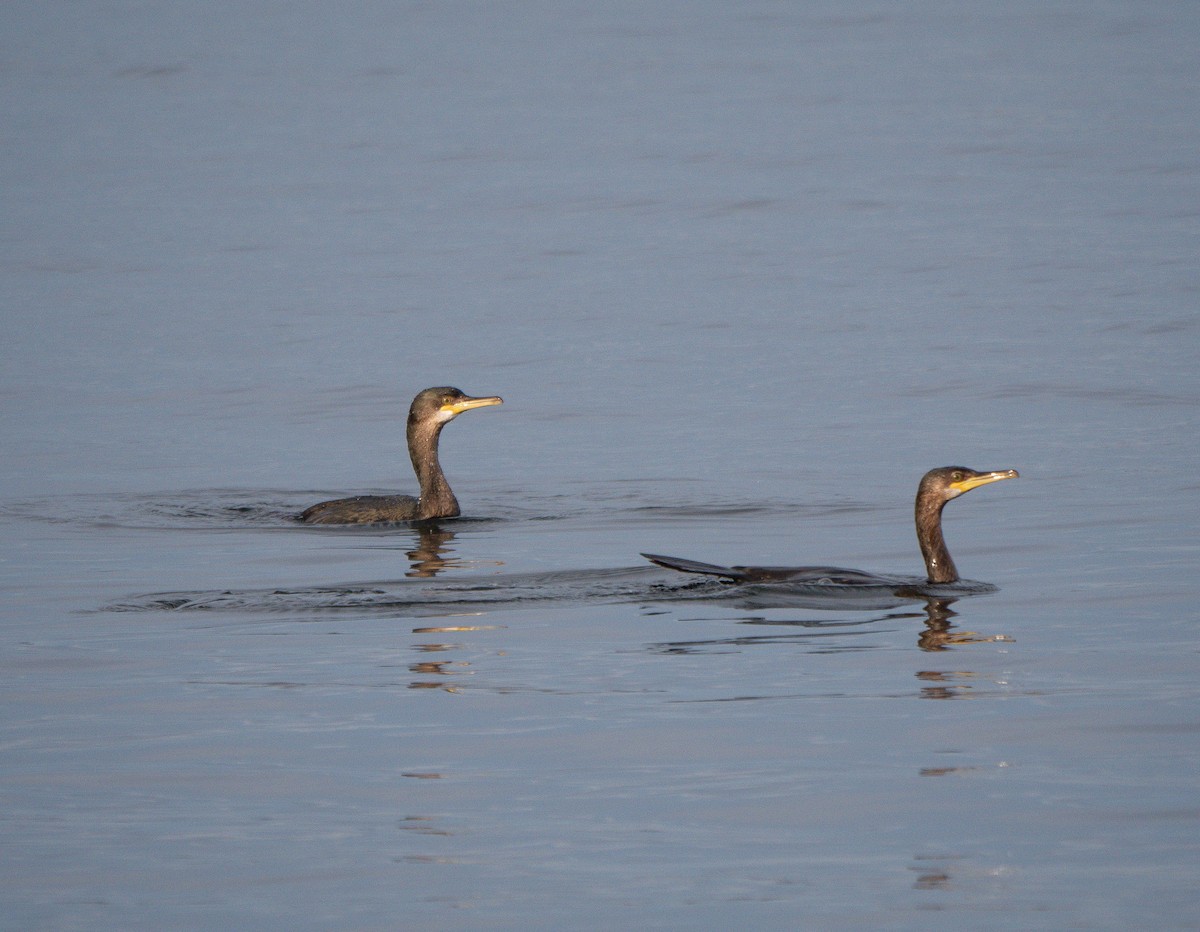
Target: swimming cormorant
[
  {"x": 431, "y": 410},
  {"x": 937, "y": 487}
]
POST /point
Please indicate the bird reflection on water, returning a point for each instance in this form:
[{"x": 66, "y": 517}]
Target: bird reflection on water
[
  {"x": 429, "y": 555},
  {"x": 938, "y": 634},
  {"x": 438, "y": 668}
]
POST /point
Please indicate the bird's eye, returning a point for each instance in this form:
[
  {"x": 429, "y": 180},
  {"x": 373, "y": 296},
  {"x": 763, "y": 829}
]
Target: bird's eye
[{"x": 956, "y": 476}]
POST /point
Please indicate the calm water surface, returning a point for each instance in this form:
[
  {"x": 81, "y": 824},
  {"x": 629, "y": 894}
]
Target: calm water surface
[{"x": 742, "y": 274}]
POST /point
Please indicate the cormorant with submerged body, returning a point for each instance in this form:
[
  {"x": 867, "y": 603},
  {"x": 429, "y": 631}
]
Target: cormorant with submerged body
[
  {"x": 431, "y": 410},
  {"x": 938, "y": 486}
]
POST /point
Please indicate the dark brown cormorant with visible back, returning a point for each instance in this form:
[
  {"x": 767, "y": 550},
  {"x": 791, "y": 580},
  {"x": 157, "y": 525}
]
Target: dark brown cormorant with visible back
[
  {"x": 938, "y": 486},
  {"x": 431, "y": 410}
]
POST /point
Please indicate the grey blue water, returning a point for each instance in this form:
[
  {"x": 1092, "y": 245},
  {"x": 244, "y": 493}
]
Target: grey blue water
[{"x": 742, "y": 274}]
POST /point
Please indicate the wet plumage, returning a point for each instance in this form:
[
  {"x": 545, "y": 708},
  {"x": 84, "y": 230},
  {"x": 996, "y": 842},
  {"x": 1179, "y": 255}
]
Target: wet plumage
[
  {"x": 430, "y": 411},
  {"x": 938, "y": 486}
]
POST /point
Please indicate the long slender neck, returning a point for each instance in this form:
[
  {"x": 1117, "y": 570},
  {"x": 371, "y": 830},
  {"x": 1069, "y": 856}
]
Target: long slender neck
[
  {"x": 938, "y": 565},
  {"x": 437, "y": 500}
]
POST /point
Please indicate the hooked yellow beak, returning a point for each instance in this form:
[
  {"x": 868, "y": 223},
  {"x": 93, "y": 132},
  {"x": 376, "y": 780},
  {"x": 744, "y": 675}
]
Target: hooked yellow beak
[
  {"x": 974, "y": 482},
  {"x": 466, "y": 404}
]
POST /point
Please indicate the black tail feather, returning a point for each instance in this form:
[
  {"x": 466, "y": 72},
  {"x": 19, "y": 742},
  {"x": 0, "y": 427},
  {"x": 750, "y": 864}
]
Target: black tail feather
[{"x": 695, "y": 566}]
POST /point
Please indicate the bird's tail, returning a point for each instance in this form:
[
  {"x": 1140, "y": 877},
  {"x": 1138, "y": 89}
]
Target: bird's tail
[{"x": 695, "y": 566}]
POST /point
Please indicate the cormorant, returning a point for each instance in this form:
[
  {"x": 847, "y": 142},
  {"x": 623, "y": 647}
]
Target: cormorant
[
  {"x": 937, "y": 487},
  {"x": 431, "y": 410}
]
